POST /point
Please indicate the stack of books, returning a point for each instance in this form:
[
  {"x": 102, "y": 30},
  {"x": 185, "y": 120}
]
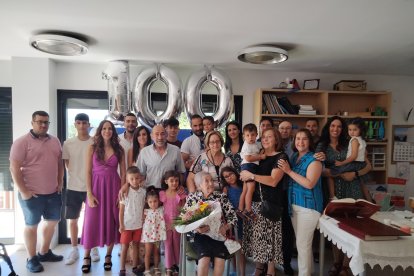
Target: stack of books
[{"x": 306, "y": 109}]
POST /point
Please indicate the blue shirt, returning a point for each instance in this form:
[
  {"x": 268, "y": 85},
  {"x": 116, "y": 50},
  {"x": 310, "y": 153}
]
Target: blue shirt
[{"x": 299, "y": 195}]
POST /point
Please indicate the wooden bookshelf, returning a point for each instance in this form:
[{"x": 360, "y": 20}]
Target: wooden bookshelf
[{"x": 329, "y": 103}]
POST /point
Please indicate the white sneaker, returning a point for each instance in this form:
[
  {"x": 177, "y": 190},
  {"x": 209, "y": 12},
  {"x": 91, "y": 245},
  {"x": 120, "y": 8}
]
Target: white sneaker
[
  {"x": 95, "y": 255},
  {"x": 73, "y": 256}
]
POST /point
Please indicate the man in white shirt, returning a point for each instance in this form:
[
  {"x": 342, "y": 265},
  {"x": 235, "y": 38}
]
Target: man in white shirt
[
  {"x": 73, "y": 154},
  {"x": 125, "y": 139},
  {"x": 193, "y": 146}
]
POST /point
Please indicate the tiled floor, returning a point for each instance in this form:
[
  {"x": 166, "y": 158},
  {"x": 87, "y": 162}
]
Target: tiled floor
[{"x": 18, "y": 257}]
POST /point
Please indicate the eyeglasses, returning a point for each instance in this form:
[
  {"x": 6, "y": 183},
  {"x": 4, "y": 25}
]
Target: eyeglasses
[
  {"x": 228, "y": 176},
  {"x": 42, "y": 123}
]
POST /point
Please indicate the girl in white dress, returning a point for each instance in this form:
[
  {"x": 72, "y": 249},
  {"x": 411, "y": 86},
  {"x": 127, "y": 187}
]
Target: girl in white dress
[{"x": 153, "y": 230}]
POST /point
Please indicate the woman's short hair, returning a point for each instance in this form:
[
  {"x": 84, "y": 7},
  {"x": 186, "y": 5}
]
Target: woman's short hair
[
  {"x": 211, "y": 133},
  {"x": 198, "y": 178},
  {"x": 278, "y": 138}
]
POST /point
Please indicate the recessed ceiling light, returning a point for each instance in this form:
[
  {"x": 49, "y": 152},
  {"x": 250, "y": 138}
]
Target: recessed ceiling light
[
  {"x": 59, "y": 45},
  {"x": 263, "y": 55}
]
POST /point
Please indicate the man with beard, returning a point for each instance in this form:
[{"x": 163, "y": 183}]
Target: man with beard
[
  {"x": 193, "y": 146},
  {"x": 125, "y": 139}
]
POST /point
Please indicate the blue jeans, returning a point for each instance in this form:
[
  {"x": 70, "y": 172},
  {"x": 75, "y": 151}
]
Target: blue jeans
[{"x": 48, "y": 206}]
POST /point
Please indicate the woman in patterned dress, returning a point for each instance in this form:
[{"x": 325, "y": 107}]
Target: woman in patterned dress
[
  {"x": 334, "y": 145},
  {"x": 262, "y": 238}
]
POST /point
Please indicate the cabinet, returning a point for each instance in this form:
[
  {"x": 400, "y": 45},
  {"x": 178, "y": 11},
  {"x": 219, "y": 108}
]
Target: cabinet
[{"x": 374, "y": 107}]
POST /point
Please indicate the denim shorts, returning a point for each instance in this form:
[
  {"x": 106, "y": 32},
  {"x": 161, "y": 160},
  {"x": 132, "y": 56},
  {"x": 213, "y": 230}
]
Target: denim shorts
[
  {"x": 251, "y": 167},
  {"x": 73, "y": 205},
  {"x": 48, "y": 206}
]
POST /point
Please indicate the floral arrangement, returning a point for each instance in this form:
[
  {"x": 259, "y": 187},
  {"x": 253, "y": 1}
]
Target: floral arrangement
[{"x": 193, "y": 213}]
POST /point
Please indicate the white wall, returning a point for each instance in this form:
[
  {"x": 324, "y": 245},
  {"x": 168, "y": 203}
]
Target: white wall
[{"x": 82, "y": 76}]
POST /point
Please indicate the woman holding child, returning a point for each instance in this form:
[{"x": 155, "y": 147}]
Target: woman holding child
[
  {"x": 262, "y": 239},
  {"x": 332, "y": 147}
]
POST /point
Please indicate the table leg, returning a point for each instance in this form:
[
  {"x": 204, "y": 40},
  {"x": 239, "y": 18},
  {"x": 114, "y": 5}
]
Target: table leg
[{"x": 321, "y": 253}]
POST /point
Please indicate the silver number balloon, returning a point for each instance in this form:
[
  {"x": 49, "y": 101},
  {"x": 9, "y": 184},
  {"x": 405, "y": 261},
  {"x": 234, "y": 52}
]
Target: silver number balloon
[
  {"x": 119, "y": 96},
  {"x": 192, "y": 96},
  {"x": 142, "y": 92}
]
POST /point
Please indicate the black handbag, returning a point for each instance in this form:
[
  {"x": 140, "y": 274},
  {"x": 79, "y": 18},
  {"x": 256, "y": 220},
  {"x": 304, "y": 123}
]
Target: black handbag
[{"x": 270, "y": 210}]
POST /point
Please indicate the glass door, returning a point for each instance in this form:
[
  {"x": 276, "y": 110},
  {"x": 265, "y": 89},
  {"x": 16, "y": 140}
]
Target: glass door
[
  {"x": 7, "y": 203},
  {"x": 70, "y": 103}
]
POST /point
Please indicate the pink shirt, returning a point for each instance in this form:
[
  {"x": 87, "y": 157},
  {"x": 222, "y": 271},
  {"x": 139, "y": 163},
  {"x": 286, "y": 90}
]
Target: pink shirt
[
  {"x": 171, "y": 207},
  {"x": 40, "y": 159}
]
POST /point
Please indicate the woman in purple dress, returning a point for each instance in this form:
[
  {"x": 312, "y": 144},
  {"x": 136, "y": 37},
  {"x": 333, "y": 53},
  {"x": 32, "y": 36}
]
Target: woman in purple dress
[{"x": 103, "y": 182}]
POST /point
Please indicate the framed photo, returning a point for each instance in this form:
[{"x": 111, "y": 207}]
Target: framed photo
[
  {"x": 402, "y": 143},
  {"x": 311, "y": 84}
]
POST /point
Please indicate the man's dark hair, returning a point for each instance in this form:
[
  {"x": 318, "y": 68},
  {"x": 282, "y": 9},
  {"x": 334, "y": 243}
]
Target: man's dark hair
[
  {"x": 131, "y": 114},
  {"x": 266, "y": 119},
  {"x": 195, "y": 116},
  {"x": 171, "y": 122},
  {"x": 39, "y": 113},
  {"x": 82, "y": 117}
]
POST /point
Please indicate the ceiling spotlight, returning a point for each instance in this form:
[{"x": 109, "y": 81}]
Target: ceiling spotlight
[
  {"x": 61, "y": 45},
  {"x": 263, "y": 55}
]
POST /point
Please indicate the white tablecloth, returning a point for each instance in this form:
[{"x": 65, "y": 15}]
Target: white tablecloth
[{"x": 393, "y": 253}]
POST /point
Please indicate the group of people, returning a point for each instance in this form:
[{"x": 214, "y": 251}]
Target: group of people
[{"x": 134, "y": 183}]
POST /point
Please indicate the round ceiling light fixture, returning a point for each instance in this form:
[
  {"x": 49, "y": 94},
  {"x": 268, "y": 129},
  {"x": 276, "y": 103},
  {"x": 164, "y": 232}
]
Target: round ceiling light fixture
[
  {"x": 61, "y": 45},
  {"x": 263, "y": 55}
]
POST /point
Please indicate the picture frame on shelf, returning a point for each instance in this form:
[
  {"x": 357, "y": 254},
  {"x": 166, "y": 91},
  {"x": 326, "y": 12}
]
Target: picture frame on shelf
[{"x": 312, "y": 84}]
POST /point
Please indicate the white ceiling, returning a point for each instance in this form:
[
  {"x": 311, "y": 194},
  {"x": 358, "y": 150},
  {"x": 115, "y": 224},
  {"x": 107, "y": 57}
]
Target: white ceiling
[{"x": 332, "y": 36}]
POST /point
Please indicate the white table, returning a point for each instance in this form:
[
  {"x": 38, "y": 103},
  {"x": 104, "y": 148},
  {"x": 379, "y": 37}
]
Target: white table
[{"x": 393, "y": 253}]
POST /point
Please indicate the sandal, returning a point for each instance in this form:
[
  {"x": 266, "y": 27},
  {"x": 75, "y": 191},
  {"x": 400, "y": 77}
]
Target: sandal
[
  {"x": 241, "y": 214},
  {"x": 86, "y": 267},
  {"x": 250, "y": 215},
  {"x": 138, "y": 269},
  {"x": 147, "y": 273},
  {"x": 335, "y": 269},
  {"x": 122, "y": 272},
  {"x": 260, "y": 270},
  {"x": 169, "y": 272},
  {"x": 107, "y": 265},
  {"x": 157, "y": 271}
]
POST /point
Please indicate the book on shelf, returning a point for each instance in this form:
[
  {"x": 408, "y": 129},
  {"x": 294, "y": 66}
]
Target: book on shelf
[
  {"x": 305, "y": 107},
  {"x": 350, "y": 208},
  {"x": 369, "y": 229},
  {"x": 290, "y": 108},
  {"x": 307, "y": 112},
  {"x": 276, "y": 104},
  {"x": 268, "y": 103}
]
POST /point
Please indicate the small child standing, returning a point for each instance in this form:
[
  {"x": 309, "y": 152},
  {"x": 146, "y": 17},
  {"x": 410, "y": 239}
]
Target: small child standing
[
  {"x": 355, "y": 157},
  {"x": 250, "y": 154},
  {"x": 153, "y": 230},
  {"x": 173, "y": 197},
  {"x": 130, "y": 218}
]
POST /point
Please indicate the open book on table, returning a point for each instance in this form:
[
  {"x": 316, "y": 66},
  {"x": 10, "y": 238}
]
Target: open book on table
[
  {"x": 353, "y": 216},
  {"x": 351, "y": 208}
]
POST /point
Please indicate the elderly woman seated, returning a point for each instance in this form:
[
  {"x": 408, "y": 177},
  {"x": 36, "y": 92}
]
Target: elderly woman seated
[{"x": 205, "y": 247}]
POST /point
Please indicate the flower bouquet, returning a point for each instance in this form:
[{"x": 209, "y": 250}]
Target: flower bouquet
[{"x": 204, "y": 213}]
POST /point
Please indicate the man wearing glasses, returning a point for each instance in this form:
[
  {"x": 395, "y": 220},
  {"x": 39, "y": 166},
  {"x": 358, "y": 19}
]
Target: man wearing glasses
[{"x": 37, "y": 170}]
